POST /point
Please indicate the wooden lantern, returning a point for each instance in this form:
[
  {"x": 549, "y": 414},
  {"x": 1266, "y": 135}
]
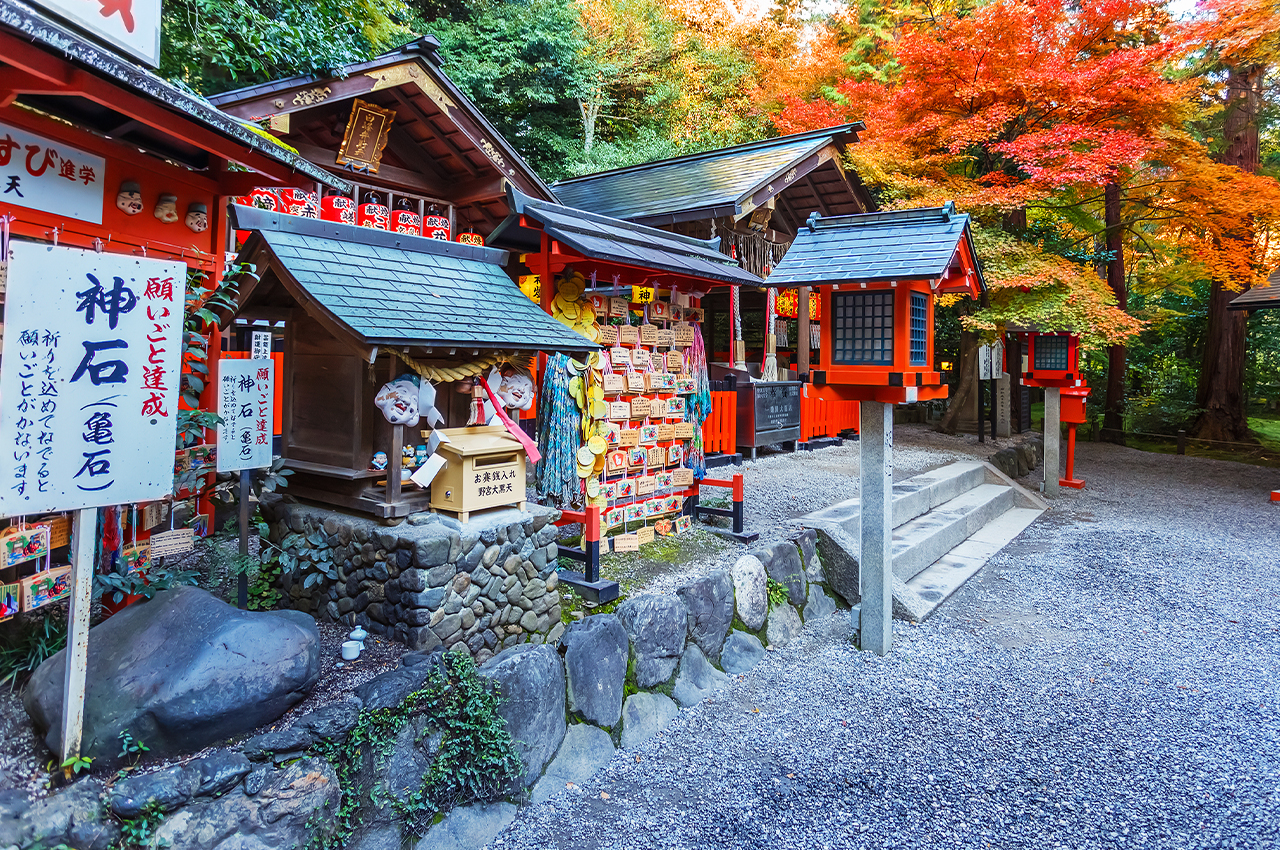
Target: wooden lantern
[{"x": 1050, "y": 359}]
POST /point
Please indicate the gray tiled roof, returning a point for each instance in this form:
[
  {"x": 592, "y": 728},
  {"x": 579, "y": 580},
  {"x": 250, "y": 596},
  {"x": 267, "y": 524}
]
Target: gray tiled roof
[
  {"x": 1262, "y": 296},
  {"x": 715, "y": 180},
  {"x": 611, "y": 240},
  {"x": 895, "y": 245},
  {"x": 391, "y": 289}
]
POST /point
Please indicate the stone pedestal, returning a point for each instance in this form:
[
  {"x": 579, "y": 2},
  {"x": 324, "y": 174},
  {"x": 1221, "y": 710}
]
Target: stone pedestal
[{"x": 875, "y": 563}]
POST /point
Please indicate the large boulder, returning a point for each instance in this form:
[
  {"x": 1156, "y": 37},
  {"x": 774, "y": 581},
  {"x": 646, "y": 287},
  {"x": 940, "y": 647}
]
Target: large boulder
[
  {"x": 697, "y": 679},
  {"x": 709, "y": 604},
  {"x": 742, "y": 652},
  {"x": 73, "y": 817},
  {"x": 585, "y": 750},
  {"x": 784, "y": 625},
  {"x": 286, "y": 810},
  {"x": 839, "y": 552},
  {"x": 645, "y": 715},
  {"x": 750, "y": 591},
  {"x": 180, "y": 672},
  {"x": 530, "y": 679},
  {"x": 469, "y": 827},
  {"x": 656, "y": 626},
  {"x": 782, "y": 562},
  {"x": 820, "y": 605},
  {"x": 595, "y": 662}
]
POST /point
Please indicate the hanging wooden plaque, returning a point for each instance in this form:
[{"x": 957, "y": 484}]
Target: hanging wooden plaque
[
  {"x": 59, "y": 530},
  {"x": 666, "y": 433},
  {"x": 682, "y": 336},
  {"x": 648, "y": 334},
  {"x": 683, "y": 524},
  {"x": 628, "y": 335},
  {"x": 675, "y": 362},
  {"x": 694, "y": 314},
  {"x": 626, "y": 543},
  {"x": 658, "y": 407},
  {"x": 365, "y": 136},
  {"x": 683, "y": 431},
  {"x": 640, "y": 357},
  {"x": 619, "y": 410},
  {"x": 682, "y": 477},
  {"x": 645, "y": 485},
  {"x": 657, "y": 456},
  {"x": 628, "y": 438},
  {"x": 636, "y": 383},
  {"x": 618, "y": 307},
  {"x": 644, "y": 535},
  {"x": 639, "y": 407},
  {"x": 173, "y": 542},
  {"x": 614, "y": 384},
  {"x": 665, "y": 338},
  {"x": 608, "y": 335}
]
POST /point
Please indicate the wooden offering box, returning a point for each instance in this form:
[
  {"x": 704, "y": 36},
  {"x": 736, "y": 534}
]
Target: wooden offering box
[{"x": 485, "y": 470}]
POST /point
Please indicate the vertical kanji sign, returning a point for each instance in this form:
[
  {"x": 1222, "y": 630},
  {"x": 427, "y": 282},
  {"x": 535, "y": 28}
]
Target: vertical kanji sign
[
  {"x": 89, "y": 379},
  {"x": 246, "y": 390}
]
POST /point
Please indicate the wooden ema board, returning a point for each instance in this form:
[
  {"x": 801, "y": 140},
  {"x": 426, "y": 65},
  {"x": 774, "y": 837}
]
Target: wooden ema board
[{"x": 45, "y": 588}]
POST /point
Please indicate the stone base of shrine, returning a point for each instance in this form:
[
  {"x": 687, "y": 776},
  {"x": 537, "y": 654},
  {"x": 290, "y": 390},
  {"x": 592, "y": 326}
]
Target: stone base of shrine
[{"x": 486, "y": 584}]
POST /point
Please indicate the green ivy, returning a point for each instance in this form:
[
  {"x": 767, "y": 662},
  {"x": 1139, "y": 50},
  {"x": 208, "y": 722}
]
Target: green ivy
[
  {"x": 263, "y": 593},
  {"x": 778, "y": 593},
  {"x": 140, "y": 832},
  {"x": 475, "y": 760}
]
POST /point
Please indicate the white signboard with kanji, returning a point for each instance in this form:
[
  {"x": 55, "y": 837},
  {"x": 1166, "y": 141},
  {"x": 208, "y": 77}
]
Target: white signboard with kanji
[
  {"x": 50, "y": 176},
  {"x": 89, "y": 379},
  {"x": 260, "y": 345},
  {"x": 131, "y": 26},
  {"x": 246, "y": 392}
]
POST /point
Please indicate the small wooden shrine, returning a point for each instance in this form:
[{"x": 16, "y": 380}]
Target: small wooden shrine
[
  {"x": 878, "y": 276},
  {"x": 361, "y": 307}
]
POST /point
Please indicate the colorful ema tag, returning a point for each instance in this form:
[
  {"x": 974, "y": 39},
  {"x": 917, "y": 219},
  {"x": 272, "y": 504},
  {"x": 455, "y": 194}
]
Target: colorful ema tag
[
  {"x": 615, "y": 517},
  {"x": 45, "y": 587},
  {"x": 664, "y": 479},
  {"x": 660, "y": 310},
  {"x": 635, "y": 512},
  {"x": 616, "y": 461},
  {"x": 21, "y": 545},
  {"x": 683, "y": 524},
  {"x": 10, "y": 600},
  {"x": 625, "y": 488},
  {"x": 686, "y": 385},
  {"x": 675, "y": 406},
  {"x": 664, "y": 527},
  {"x": 683, "y": 431},
  {"x": 675, "y": 455},
  {"x": 682, "y": 477},
  {"x": 136, "y": 558}
]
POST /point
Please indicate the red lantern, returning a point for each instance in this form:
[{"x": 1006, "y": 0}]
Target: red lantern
[
  {"x": 436, "y": 224},
  {"x": 338, "y": 208},
  {"x": 301, "y": 202},
  {"x": 470, "y": 238},
  {"x": 373, "y": 213},
  {"x": 405, "y": 220},
  {"x": 263, "y": 199}
]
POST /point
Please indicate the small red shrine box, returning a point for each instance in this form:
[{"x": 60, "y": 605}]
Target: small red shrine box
[
  {"x": 1073, "y": 399},
  {"x": 1050, "y": 359}
]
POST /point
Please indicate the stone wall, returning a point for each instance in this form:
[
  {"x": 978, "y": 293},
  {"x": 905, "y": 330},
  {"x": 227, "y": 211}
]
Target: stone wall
[
  {"x": 1020, "y": 459},
  {"x": 612, "y": 679},
  {"x": 488, "y": 584}
]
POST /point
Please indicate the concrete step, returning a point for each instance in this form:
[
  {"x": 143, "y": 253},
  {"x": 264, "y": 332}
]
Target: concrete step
[
  {"x": 920, "y": 596},
  {"x": 925, "y": 539},
  {"x": 911, "y": 498}
]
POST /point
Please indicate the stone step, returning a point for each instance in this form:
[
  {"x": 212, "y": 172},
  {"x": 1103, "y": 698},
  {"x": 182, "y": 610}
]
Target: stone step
[
  {"x": 919, "y": 597},
  {"x": 926, "y": 538},
  {"x": 911, "y": 498}
]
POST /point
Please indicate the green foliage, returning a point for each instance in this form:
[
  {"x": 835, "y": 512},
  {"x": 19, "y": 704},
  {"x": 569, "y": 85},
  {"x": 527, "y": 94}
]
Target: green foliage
[
  {"x": 35, "y": 641},
  {"x": 310, "y": 556},
  {"x": 1162, "y": 396},
  {"x": 263, "y": 593},
  {"x": 778, "y": 593},
  {"x": 475, "y": 759},
  {"x": 131, "y": 746},
  {"x": 216, "y": 45},
  {"x": 145, "y": 583},
  {"x": 76, "y": 765},
  {"x": 140, "y": 832}
]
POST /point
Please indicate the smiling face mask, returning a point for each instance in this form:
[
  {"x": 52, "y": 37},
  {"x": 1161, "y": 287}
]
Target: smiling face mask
[{"x": 398, "y": 400}]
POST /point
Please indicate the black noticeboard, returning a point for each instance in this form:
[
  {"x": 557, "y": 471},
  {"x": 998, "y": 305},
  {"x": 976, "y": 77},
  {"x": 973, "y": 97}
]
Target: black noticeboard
[{"x": 777, "y": 406}]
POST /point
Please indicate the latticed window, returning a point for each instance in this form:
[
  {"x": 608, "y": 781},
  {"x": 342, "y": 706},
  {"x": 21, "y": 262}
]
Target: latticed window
[
  {"x": 919, "y": 329},
  {"x": 863, "y": 325},
  {"x": 1051, "y": 353}
]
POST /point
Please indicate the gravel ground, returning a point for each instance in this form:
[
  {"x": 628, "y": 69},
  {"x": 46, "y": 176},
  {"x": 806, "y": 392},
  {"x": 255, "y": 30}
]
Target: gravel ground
[{"x": 1109, "y": 680}]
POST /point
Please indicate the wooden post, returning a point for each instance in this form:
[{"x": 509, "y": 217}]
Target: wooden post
[
  {"x": 395, "y": 464},
  {"x": 246, "y": 490},
  {"x": 802, "y": 344},
  {"x": 875, "y": 564},
  {"x": 1052, "y": 438},
  {"x": 73, "y": 684}
]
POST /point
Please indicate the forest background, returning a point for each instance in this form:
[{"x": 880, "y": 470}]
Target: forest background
[{"x": 1120, "y": 157}]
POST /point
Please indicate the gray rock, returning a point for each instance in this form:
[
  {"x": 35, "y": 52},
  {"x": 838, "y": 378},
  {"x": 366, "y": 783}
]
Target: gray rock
[
  {"x": 709, "y": 604},
  {"x": 784, "y": 625},
  {"x": 433, "y": 550},
  {"x": 72, "y": 816},
  {"x": 380, "y": 836},
  {"x": 750, "y": 592},
  {"x": 429, "y": 598},
  {"x": 656, "y": 626},
  {"x": 531, "y": 684},
  {"x": 782, "y": 564},
  {"x": 741, "y": 653},
  {"x": 166, "y": 789},
  {"x": 413, "y": 580},
  {"x": 645, "y": 715},
  {"x": 284, "y": 812},
  {"x": 595, "y": 662},
  {"x": 389, "y": 689},
  {"x": 441, "y": 575},
  {"x": 697, "y": 679},
  {"x": 839, "y": 551},
  {"x": 807, "y": 540},
  {"x": 469, "y": 827},
  {"x": 584, "y": 751},
  {"x": 332, "y": 722},
  {"x": 150, "y": 668},
  {"x": 294, "y": 739},
  {"x": 219, "y": 771},
  {"x": 820, "y": 605}
]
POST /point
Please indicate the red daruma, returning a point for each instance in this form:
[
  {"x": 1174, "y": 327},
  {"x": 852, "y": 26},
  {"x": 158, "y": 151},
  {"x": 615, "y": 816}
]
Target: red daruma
[
  {"x": 405, "y": 220},
  {"x": 436, "y": 224},
  {"x": 339, "y": 208},
  {"x": 373, "y": 213}
]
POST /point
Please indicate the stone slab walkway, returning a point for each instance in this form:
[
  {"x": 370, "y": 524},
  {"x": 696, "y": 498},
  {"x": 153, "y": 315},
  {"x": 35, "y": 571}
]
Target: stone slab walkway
[{"x": 1111, "y": 679}]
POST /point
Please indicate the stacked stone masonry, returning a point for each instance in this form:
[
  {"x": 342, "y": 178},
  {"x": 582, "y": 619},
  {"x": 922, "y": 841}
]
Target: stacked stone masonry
[{"x": 488, "y": 584}]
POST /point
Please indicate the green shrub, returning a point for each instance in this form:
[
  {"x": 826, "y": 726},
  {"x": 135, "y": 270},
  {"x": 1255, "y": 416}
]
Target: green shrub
[{"x": 35, "y": 641}]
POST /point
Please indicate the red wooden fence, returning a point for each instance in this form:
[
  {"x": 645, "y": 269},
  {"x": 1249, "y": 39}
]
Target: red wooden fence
[
  {"x": 720, "y": 430},
  {"x": 820, "y": 417}
]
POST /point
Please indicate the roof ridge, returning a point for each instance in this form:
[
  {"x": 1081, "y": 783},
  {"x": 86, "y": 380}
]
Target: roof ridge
[
  {"x": 521, "y": 200},
  {"x": 834, "y": 130},
  {"x": 944, "y": 213}
]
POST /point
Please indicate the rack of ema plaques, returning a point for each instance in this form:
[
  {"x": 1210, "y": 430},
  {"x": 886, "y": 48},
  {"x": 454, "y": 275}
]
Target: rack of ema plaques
[{"x": 634, "y": 400}]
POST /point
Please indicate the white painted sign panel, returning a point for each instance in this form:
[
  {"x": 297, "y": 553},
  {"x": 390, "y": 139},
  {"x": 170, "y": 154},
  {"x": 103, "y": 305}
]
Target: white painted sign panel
[
  {"x": 130, "y": 26},
  {"x": 260, "y": 345},
  {"x": 246, "y": 392},
  {"x": 50, "y": 176},
  {"x": 89, "y": 379},
  {"x": 990, "y": 362}
]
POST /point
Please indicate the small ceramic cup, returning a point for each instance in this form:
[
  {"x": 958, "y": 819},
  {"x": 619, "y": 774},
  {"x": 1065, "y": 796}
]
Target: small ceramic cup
[{"x": 351, "y": 650}]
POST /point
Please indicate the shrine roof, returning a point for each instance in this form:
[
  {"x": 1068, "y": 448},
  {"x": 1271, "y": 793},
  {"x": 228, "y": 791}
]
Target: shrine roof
[
  {"x": 919, "y": 244},
  {"x": 388, "y": 288},
  {"x": 1263, "y": 296},
  {"x": 711, "y": 184},
  {"x": 35, "y": 27},
  {"x": 612, "y": 240}
]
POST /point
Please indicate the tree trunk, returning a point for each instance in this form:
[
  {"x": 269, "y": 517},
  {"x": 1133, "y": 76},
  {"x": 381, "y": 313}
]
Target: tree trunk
[
  {"x": 966, "y": 378},
  {"x": 1117, "y": 360},
  {"x": 1220, "y": 394}
]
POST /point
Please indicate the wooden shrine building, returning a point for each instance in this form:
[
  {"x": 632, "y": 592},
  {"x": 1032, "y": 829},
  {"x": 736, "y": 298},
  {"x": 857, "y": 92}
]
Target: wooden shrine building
[{"x": 430, "y": 144}]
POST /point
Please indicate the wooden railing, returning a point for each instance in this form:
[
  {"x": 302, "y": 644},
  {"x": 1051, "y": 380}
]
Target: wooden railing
[
  {"x": 820, "y": 417},
  {"x": 720, "y": 430}
]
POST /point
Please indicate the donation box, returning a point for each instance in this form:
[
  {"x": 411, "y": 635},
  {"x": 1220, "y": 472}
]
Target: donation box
[{"x": 485, "y": 470}]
